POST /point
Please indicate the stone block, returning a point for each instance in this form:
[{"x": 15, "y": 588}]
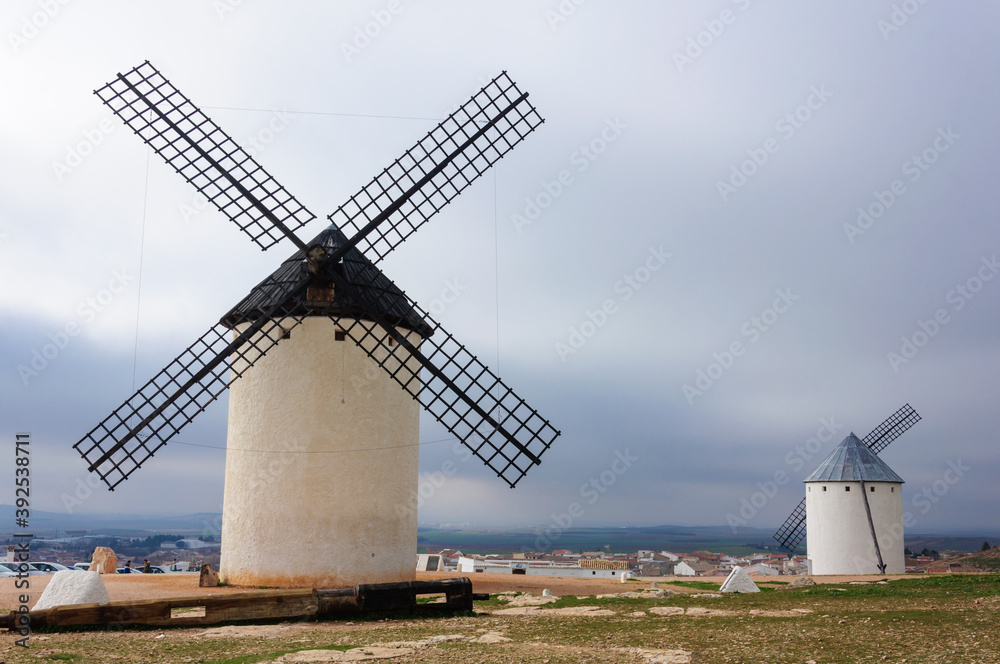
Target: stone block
[
  {"x": 209, "y": 577},
  {"x": 104, "y": 561}
]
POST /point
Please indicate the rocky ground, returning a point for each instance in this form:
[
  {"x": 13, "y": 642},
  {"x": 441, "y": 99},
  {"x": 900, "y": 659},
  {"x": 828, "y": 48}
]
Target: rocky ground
[{"x": 954, "y": 618}]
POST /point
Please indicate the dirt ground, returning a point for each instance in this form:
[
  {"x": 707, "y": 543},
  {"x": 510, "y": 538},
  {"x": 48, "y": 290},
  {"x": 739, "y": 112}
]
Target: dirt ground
[
  {"x": 930, "y": 619},
  {"x": 158, "y": 586}
]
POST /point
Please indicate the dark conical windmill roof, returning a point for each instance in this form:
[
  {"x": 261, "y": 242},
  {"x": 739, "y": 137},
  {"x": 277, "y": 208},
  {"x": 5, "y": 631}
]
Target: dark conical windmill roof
[
  {"x": 376, "y": 292},
  {"x": 853, "y": 461}
]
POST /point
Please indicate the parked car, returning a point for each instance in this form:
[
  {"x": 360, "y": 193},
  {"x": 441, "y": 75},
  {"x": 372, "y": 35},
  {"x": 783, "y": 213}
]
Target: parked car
[
  {"x": 81, "y": 566},
  {"x": 50, "y": 568},
  {"x": 154, "y": 569},
  {"x": 13, "y": 567},
  {"x": 6, "y": 572},
  {"x": 132, "y": 570}
]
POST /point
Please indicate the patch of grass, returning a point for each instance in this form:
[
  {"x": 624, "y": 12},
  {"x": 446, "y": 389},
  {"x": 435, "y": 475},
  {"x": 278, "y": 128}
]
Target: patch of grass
[
  {"x": 490, "y": 604},
  {"x": 63, "y": 657},
  {"x": 958, "y": 585},
  {"x": 427, "y": 599}
]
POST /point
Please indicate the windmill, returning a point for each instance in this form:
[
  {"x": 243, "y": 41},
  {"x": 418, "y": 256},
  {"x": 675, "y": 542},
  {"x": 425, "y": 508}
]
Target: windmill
[
  {"x": 331, "y": 517},
  {"x": 856, "y": 460}
]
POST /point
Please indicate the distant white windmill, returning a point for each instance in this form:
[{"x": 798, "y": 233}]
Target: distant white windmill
[{"x": 852, "y": 512}]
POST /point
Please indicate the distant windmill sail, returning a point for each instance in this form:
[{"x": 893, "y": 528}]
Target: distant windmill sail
[
  {"x": 472, "y": 402},
  {"x": 793, "y": 530}
]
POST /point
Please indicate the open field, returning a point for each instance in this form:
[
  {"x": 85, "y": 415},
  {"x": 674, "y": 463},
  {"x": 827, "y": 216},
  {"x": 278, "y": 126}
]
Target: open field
[{"x": 946, "y": 618}]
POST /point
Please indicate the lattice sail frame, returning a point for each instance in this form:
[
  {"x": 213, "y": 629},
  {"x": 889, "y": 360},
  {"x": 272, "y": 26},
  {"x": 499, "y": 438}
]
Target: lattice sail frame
[
  {"x": 791, "y": 533},
  {"x": 171, "y": 399},
  {"x": 461, "y": 392},
  {"x": 482, "y": 130},
  {"x": 204, "y": 154},
  {"x": 894, "y": 427}
]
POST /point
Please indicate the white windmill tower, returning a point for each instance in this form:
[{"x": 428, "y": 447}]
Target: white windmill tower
[
  {"x": 854, "y": 513},
  {"x": 322, "y": 449}
]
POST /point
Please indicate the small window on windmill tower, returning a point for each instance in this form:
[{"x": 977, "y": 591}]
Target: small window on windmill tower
[
  {"x": 286, "y": 334},
  {"x": 392, "y": 342},
  {"x": 339, "y": 335},
  {"x": 847, "y": 488},
  {"x": 824, "y": 488},
  {"x": 873, "y": 489}
]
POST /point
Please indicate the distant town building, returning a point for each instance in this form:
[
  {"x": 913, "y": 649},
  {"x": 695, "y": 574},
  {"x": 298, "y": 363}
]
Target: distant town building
[
  {"x": 604, "y": 564},
  {"x": 535, "y": 568}
]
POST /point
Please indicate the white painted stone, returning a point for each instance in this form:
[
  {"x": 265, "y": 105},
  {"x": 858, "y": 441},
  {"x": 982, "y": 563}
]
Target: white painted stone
[
  {"x": 546, "y": 593},
  {"x": 321, "y": 470},
  {"x": 72, "y": 587},
  {"x": 739, "y": 581}
]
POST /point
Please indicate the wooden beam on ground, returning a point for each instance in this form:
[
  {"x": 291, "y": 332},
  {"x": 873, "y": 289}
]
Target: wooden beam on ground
[{"x": 260, "y": 606}]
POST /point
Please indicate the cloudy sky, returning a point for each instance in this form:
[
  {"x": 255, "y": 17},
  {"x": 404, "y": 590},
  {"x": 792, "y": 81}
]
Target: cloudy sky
[{"x": 742, "y": 225}]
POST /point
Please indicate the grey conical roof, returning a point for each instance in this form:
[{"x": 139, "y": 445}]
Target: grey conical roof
[{"x": 853, "y": 461}]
